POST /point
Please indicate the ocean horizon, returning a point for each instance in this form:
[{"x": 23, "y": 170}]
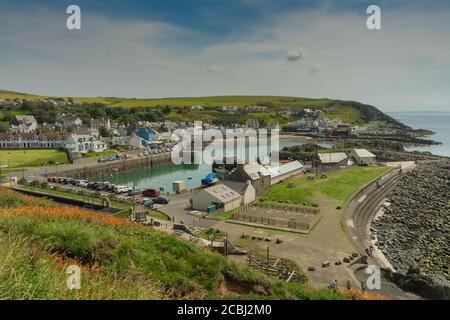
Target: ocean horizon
[{"x": 436, "y": 121}]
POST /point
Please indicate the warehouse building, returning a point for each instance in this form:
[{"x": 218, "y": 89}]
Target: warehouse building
[
  {"x": 215, "y": 198},
  {"x": 285, "y": 171},
  {"x": 333, "y": 159},
  {"x": 363, "y": 156}
]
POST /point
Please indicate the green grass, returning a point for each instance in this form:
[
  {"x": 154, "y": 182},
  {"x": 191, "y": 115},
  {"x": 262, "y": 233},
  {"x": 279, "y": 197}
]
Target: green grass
[
  {"x": 118, "y": 260},
  {"x": 106, "y": 152},
  {"x": 32, "y": 158},
  {"x": 220, "y": 216},
  {"x": 339, "y": 186},
  {"x": 72, "y": 195},
  {"x": 159, "y": 215},
  {"x": 208, "y": 232}
]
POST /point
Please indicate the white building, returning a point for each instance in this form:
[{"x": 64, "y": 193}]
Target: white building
[
  {"x": 133, "y": 141},
  {"x": 363, "y": 156},
  {"x": 245, "y": 189},
  {"x": 219, "y": 195},
  {"x": 32, "y": 140},
  {"x": 24, "y": 124},
  {"x": 64, "y": 120},
  {"x": 229, "y": 109},
  {"x": 333, "y": 159},
  {"x": 285, "y": 171},
  {"x": 84, "y": 143}
]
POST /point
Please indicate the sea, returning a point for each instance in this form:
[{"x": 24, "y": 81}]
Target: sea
[{"x": 436, "y": 121}]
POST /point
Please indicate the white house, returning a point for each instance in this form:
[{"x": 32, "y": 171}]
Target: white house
[
  {"x": 363, "y": 156},
  {"x": 84, "y": 143},
  {"x": 64, "y": 120},
  {"x": 24, "y": 124},
  {"x": 229, "y": 109},
  {"x": 219, "y": 195}
]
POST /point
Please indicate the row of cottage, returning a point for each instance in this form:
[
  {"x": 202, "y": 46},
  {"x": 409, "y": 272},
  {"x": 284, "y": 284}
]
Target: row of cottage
[{"x": 72, "y": 142}]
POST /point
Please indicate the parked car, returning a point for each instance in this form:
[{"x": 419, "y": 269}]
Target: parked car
[
  {"x": 82, "y": 183},
  {"x": 52, "y": 179},
  {"x": 151, "y": 193},
  {"x": 148, "y": 204},
  {"x": 161, "y": 200},
  {"x": 61, "y": 179},
  {"x": 134, "y": 192}
]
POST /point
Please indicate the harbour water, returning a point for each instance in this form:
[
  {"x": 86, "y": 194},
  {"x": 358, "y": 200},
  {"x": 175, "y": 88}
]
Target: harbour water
[
  {"x": 438, "y": 122},
  {"x": 163, "y": 177}
]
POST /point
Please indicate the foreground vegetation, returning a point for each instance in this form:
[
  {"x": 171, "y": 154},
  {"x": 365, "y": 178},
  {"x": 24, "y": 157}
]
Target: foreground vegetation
[
  {"x": 338, "y": 186},
  {"x": 119, "y": 260}
]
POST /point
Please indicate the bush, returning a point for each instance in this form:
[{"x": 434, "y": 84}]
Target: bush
[
  {"x": 44, "y": 184},
  {"x": 22, "y": 181},
  {"x": 35, "y": 183}
]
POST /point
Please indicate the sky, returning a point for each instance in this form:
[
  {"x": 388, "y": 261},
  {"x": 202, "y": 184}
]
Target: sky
[{"x": 179, "y": 48}]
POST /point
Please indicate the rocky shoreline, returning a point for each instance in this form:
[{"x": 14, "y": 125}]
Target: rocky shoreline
[{"x": 415, "y": 228}]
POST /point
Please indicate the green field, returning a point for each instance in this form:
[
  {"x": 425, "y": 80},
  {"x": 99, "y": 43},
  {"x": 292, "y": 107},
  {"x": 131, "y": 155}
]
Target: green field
[
  {"x": 338, "y": 186},
  {"x": 32, "y": 158}
]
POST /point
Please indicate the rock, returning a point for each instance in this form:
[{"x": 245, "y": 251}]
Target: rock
[
  {"x": 325, "y": 264},
  {"x": 311, "y": 269},
  {"x": 346, "y": 260}
]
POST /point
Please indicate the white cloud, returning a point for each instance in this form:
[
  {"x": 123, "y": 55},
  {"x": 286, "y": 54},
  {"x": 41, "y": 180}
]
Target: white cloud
[
  {"x": 405, "y": 64},
  {"x": 295, "y": 55},
  {"x": 215, "y": 69}
]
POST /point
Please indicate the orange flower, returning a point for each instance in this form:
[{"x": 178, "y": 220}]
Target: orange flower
[{"x": 64, "y": 212}]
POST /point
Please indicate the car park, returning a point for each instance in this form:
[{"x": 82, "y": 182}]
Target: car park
[
  {"x": 151, "y": 193},
  {"x": 148, "y": 203},
  {"x": 134, "y": 192},
  {"x": 161, "y": 200}
]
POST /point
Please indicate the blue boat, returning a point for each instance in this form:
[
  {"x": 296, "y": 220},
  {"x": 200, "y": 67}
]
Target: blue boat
[{"x": 209, "y": 179}]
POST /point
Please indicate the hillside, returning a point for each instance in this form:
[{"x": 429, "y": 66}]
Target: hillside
[
  {"x": 120, "y": 260},
  {"x": 118, "y": 108}
]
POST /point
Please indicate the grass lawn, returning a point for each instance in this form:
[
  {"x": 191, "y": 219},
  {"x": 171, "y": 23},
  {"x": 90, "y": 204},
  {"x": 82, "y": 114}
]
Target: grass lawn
[
  {"x": 207, "y": 233},
  {"x": 159, "y": 215},
  {"x": 339, "y": 186},
  {"x": 97, "y": 154},
  {"x": 220, "y": 216},
  {"x": 32, "y": 158}
]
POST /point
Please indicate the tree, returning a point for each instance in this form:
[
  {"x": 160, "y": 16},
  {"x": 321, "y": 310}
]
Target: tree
[
  {"x": 104, "y": 132},
  {"x": 4, "y": 127},
  {"x": 166, "y": 110}
]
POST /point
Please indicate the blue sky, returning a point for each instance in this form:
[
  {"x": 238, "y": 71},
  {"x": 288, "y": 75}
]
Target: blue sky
[{"x": 212, "y": 47}]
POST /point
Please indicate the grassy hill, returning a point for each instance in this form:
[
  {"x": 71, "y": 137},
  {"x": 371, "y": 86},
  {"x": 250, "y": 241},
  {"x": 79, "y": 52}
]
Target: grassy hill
[
  {"x": 119, "y": 260},
  {"x": 347, "y": 111}
]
